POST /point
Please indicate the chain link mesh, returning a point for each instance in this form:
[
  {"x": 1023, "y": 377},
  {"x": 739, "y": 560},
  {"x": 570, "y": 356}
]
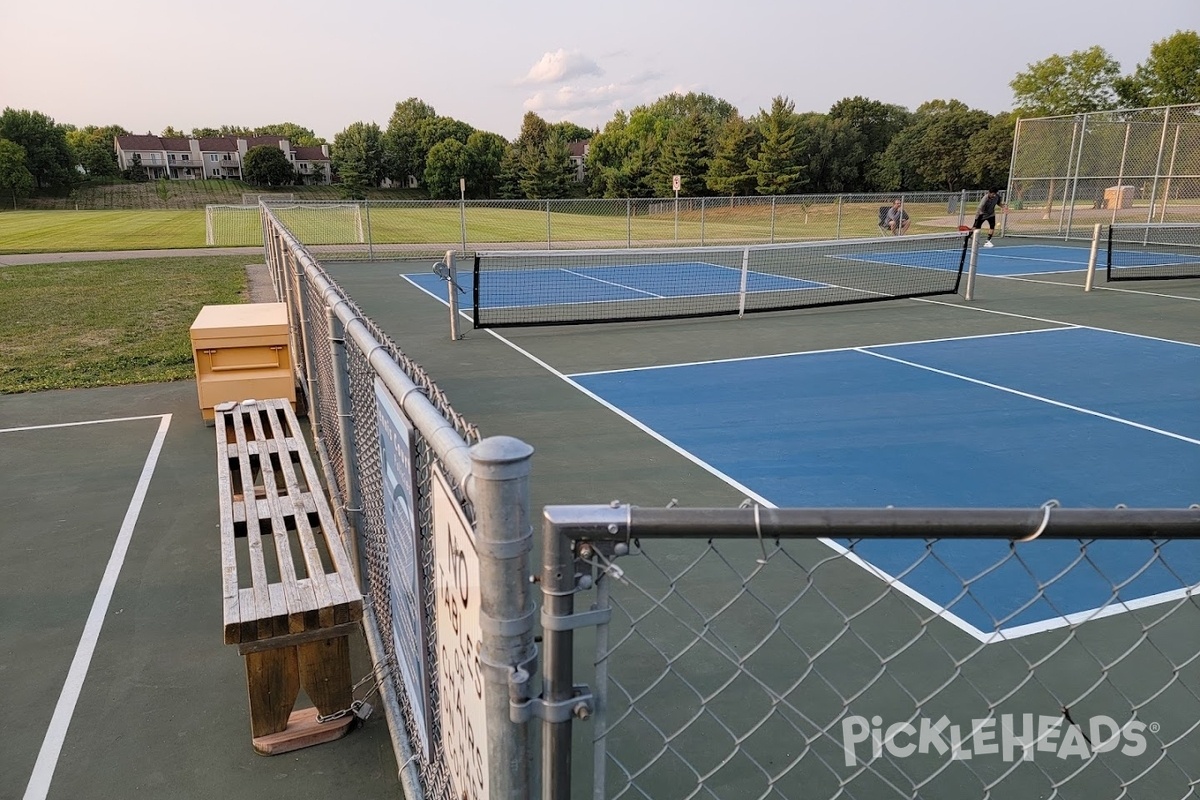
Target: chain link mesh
[
  {"x": 1133, "y": 165},
  {"x": 428, "y": 228},
  {"x": 315, "y": 360},
  {"x": 730, "y": 671}
]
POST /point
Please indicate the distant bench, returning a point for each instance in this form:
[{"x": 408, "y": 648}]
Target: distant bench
[{"x": 289, "y": 593}]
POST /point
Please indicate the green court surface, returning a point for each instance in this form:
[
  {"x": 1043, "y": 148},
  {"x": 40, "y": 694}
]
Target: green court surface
[{"x": 114, "y": 682}]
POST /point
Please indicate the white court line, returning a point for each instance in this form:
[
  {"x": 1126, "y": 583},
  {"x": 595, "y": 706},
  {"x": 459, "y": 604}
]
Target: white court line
[
  {"x": 846, "y": 349},
  {"x": 56, "y": 734},
  {"x": 75, "y": 424},
  {"x": 609, "y": 283},
  {"x": 1024, "y": 277},
  {"x": 1009, "y": 390}
]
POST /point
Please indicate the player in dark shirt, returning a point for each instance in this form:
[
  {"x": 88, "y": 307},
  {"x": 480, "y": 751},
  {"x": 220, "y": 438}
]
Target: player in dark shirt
[{"x": 987, "y": 213}]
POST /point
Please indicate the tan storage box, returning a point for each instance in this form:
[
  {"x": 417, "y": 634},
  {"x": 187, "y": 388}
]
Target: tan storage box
[
  {"x": 1119, "y": 197},
  {"x": 241, "y": 353}
]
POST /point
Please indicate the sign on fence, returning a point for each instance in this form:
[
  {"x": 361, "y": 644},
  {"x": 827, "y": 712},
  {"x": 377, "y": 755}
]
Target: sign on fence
[
  {"x": 405, "y": 588},
  {"x": 460, "y": 679}
]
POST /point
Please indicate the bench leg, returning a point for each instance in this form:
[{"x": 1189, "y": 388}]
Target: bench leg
[
  {"x": 325, "y": 673},
  {"x": 274, "y": 678},
  {"x": 273, "y": 681}
]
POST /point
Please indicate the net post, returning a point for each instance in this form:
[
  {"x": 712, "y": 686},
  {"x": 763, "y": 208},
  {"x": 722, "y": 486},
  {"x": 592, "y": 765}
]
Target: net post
[
  {"x": 742, "y": 287},
  {"x": 452, "y": 291},
  {"x": 969, "y": 294},
  {"x": 1091, "y": 267}
]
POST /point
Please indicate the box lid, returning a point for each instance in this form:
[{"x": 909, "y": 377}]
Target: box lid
[{"x": 243, "y": 319}]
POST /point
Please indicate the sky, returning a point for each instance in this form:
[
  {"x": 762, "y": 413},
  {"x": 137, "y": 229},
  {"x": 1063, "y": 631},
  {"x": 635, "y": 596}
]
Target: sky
[{"x": 324, "y": 65}]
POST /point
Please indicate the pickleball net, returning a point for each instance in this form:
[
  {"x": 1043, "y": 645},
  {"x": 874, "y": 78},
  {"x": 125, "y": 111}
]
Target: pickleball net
[
  {"x": 1153, "y": 251},
  {"x": 563, "y": 287}
]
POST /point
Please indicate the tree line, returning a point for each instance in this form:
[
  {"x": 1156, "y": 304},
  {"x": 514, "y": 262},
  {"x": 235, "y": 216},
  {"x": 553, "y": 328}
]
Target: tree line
[{"x": 858, "y": 145}]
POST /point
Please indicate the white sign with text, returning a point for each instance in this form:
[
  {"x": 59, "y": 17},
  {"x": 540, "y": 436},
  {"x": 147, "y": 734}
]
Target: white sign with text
[{"x": 460, "y": 679}]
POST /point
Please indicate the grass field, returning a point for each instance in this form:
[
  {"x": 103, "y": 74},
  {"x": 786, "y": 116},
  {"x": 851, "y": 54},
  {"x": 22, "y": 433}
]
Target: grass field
[
  {"x": 76, "y": 231},
  {"x": 107, "y": 323}
]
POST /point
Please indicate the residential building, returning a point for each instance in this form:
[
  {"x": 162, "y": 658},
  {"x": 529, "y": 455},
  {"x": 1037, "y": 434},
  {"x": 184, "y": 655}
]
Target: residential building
[
  {"x": 579, "y": 153},
  {"x": 216, "y": 157}
]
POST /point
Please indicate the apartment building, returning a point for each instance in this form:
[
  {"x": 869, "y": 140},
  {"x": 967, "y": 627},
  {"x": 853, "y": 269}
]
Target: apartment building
[{"x": 216, "y": 157}]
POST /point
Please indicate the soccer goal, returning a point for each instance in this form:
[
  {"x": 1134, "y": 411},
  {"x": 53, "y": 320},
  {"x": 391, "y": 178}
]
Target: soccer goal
[
  {"x": 323, "y": 223},
  {"x": 232, "y": 226}
]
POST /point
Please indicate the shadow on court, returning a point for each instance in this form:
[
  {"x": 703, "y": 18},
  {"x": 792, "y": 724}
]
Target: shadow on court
[{"x": 114, "y": 681}]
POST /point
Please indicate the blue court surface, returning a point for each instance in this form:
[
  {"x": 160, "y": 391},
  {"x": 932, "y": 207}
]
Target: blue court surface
[
  {"x": 1006, "y": 260},
  {"x": 1087, "y": 417}
]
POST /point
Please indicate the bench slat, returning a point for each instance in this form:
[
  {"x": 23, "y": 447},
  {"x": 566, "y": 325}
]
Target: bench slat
[
  {"x": 295, "y": 600},
  {"x": 289, "y": 605}
]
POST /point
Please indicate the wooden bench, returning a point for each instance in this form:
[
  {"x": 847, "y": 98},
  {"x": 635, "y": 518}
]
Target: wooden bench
[{"x": 289, "y": 591}]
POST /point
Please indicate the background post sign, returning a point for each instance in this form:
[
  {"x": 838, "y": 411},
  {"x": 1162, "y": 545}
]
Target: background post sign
[
  {"x": 403, "y": 546},
  {"x": 460, "y": 678}
]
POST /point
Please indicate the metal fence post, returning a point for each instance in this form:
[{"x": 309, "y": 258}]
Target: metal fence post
[
  {"x": 558, "y": 673},
  {"x": 628, "y": 222},
  {"x": 701, "y": 221},
  {"x": 838, "y": 230},
  {"x": 499, "y": 490},
  {"x": 772, "y": 219},
  {"x": 548, "y": 245},
  {"x": 370, "y": 239}
]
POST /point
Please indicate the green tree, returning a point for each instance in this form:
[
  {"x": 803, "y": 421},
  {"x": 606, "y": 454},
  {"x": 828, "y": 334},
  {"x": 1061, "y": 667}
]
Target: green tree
[
  {"x": 446, "y": 162},
  {"x": 1081, "y": 82},
  {"x": 297, "y": 135},
  {"x": 572, "y": 132},
  {"x": 357, "y": 155},
  {"x": 546, "y": 168},
  {"x": 933, "y": 152},
  {"x": 684, "y": 153},
  {"x": 94, "y": 149},
  {"x": 1170, "y": 76},
  {"x": 834, "y": 152},
  {"x": 485, "y": 154},
  {"x": 16, "y": 181},
  {"x": 876, "y": 124},
  {"x": 48, "y": 157},
  {"x": 776, "y": 165},
  {"x": 402, "y": 141},
  {"x": 267, "y": 165},
  {"x": 989, "y": 155},
  {"x": 136, "y": 172},
  {"x": 171, "y": 132},
  {"x": 729, "y": 170}
]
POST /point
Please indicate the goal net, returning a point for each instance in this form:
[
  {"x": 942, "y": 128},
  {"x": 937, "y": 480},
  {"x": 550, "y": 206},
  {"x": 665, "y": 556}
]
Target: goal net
[{"x": 311, "y": 223}]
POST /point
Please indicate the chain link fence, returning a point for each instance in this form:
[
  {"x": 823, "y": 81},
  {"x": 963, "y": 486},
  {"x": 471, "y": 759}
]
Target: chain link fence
[
  {"x": 734, "y": 655},
  {"x": 731, "y": 653},
  {"x": 387, "y": 438},
  {"x": 374, "y": 229},
  {"x": 1135, "y": 165}
]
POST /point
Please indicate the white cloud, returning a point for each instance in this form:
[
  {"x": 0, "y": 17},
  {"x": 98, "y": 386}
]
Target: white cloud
[
  {"x": 570, "y": 98},
  {"x": 561, "y": 66}
]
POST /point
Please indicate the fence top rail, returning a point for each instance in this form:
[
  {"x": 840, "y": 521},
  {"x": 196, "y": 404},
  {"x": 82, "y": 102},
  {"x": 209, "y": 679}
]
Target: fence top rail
[{"x": 619, "y": 522}]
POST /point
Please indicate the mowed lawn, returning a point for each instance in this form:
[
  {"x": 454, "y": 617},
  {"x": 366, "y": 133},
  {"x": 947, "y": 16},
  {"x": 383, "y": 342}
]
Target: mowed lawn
[
  {"x": 107, "y": 323},
  {"x": 75, "y": 231}
]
